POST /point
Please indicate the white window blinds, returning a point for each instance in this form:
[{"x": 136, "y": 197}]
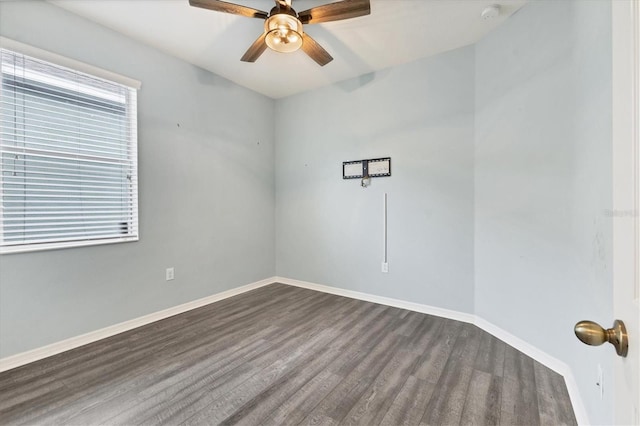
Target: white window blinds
[{"x": 68, "y": 157}]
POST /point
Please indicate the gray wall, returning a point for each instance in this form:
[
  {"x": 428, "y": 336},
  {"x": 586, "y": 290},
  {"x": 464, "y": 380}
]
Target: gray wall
[
  {"x": 543, "y": 183},
  {"x": 329, "y": 230},
  {"x": 530, "y": 227},
  {"x": 206, "y": 157},
  {"x": 497, "y": 203}
]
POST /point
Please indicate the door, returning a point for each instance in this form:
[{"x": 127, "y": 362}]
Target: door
[{"x": 626, "y": 184}]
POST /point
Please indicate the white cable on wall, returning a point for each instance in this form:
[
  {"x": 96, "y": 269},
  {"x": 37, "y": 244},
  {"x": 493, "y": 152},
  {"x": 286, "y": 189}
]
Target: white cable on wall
[{"x": 385, "y": 261}]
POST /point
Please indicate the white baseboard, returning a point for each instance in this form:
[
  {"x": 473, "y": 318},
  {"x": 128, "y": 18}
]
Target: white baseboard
[
  {"x": 543, "y": 358},
  {"x": 514, "y": 341},
  {"x": 526, "y": 348},
  {"x": 55, "y": 348},
  {"x": 387, "y": 301}
]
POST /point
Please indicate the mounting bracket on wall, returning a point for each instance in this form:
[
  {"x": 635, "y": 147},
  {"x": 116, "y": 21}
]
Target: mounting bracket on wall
[{"x": 366, "y": 169}]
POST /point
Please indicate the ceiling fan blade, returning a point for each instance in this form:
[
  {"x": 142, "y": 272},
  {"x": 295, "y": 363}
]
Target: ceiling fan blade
[
  {"x": 226, "y": 7},
  {"x": 315, "y": 51},
  {"x": 335, "y": 11},
  {"x": 257, "y": 48}
]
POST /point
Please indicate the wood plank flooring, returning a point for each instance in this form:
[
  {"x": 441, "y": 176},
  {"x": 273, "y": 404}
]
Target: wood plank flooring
[{"x": 286, "y": 355}]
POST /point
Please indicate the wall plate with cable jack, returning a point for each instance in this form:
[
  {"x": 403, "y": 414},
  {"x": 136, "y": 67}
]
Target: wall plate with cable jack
[
  {"x": 385, "y": 267},
  {"x": 600, "y": 381}
]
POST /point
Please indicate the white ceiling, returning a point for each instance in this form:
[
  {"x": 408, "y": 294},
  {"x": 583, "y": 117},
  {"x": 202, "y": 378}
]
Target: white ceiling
[{"x": 397, "y": 31}]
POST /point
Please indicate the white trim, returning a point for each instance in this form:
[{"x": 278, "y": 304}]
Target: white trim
[
  {"x": 578, "y": 406},
  {"x": 524, "y": 347},
  {"x": 25, "y": 248},
  {"x": 510, "y": 339},
  {"x": 543, "y": 358},
  {"x": 396, "y": 303},
  {"x": 75, "y": 65},
  {"x": 625, "y": 386},
  {"x": 55, "y": 348}
]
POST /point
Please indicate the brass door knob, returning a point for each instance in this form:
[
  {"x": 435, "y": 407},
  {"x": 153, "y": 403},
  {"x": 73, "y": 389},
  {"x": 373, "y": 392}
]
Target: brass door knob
[{"x": 593, "y": 334}]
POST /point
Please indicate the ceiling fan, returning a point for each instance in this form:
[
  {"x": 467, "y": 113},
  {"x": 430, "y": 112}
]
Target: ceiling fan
[{"x": 283, "y": 25}]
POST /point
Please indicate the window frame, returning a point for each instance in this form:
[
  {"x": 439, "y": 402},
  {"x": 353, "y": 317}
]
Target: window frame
[{"x": 132, "y": 145}]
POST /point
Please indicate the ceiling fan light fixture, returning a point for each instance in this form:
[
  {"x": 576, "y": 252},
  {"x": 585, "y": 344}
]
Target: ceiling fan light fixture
[
  {"x": 283, "y": 33},
  {"x": 283, "y": 25}
]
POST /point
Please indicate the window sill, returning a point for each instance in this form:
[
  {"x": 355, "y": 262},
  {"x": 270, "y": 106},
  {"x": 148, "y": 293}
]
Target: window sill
[{"x": 69, "y": 244}]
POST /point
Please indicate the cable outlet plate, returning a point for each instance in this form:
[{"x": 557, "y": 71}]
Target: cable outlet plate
[
  {"x": 170, "y": 274},
  {"x": 385, "y": 267},
  {"x": 600, "y": 381}
]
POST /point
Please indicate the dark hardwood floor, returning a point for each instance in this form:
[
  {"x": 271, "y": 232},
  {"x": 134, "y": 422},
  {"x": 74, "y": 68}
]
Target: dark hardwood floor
[{"x": 286, "y": 355}]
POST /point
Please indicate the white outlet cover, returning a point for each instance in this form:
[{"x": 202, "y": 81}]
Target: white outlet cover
[{"x": 600, "y": 381}]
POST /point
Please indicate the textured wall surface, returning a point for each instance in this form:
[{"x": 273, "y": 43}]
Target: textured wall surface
[
  {"x": 330, "y": 230},
  {"x": 206, "y": 194},
  {"x": 543, "y": 183},
  {"x": 501, "y": 160}
]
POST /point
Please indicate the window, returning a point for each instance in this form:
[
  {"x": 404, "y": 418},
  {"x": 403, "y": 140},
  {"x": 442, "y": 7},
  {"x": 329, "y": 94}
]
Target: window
[{"x": 68, "y": 157}]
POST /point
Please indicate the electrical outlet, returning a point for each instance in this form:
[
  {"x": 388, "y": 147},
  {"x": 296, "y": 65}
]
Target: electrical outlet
[
  {"x": 385, "y": 267},
  {"x": 600, "y": 381},
  {"x": 170, "y": 274}
]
